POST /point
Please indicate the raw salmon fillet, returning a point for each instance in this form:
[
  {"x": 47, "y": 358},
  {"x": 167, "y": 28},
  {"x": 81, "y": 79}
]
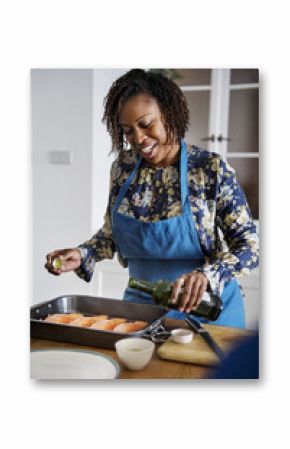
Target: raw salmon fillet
[
  {"x": 87, "y": 321},
  {"x": 130, "y": 327},
  {"x": 62, "y": 318},
  {"x": 107, "y": 325}
]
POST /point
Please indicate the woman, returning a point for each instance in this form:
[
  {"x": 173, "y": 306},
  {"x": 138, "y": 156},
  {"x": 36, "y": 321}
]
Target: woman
[{"x": 175, "y": 211}]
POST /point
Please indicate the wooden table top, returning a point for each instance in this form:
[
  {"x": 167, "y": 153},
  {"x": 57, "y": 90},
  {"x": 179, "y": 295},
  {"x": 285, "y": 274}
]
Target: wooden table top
[{"x": 159, "y": 368}]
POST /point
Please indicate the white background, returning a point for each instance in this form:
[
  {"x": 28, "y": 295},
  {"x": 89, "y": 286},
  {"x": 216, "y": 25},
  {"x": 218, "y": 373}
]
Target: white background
[{"x": 130, "y": 34}]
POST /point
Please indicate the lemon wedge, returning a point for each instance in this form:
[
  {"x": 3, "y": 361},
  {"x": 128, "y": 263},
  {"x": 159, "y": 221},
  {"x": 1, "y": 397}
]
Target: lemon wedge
[{"x": 56, "y": 263}]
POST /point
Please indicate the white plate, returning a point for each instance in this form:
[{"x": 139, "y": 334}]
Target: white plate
[{"x": 72, "y": 364}]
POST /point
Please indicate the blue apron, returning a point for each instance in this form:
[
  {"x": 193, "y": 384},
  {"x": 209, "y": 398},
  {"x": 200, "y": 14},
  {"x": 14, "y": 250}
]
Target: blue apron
[{"x": 167, "y": 249}]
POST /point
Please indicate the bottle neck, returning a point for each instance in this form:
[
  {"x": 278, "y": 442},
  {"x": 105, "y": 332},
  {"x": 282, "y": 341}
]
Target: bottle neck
[{"x": 144, "y": 286}]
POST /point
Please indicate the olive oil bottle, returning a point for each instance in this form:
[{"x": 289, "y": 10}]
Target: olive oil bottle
[{"x": 210, "y": 307}]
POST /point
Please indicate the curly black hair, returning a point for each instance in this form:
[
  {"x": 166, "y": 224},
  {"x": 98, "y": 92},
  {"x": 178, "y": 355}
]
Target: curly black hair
[{"x": 170, "y": 99}]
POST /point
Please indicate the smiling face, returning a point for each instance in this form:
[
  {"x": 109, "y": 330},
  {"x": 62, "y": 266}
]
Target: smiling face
[{"x": 143, "y": 127}]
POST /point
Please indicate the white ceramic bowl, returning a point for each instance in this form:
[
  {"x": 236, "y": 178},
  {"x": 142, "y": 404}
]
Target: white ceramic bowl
[
  {"x": 135, "y": 353},
  {"x": 181, "y": 335}
]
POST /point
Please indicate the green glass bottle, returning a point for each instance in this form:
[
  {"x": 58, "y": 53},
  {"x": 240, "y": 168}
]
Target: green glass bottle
[{"x": 210, "y": 307}]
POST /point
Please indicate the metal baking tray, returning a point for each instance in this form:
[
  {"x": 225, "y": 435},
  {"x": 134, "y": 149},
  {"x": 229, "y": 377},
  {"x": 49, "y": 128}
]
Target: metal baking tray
[{"x": 89, "y": 305}]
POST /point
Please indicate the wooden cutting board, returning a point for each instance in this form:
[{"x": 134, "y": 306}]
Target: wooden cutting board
[{"x": 197, "y": 351}]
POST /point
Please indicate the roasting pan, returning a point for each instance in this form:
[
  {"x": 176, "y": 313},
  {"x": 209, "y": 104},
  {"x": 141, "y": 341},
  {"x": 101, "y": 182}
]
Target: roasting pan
[{"x": 88, "y": 306}]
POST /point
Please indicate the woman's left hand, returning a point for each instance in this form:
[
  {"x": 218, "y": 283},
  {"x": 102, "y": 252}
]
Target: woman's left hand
[{"x": 191, "y": 286}]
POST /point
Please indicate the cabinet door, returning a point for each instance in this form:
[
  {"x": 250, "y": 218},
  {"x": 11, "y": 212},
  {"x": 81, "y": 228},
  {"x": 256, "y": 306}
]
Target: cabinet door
[
  {"x": 223, "y": 106},
  {"x": 196, "y": 85},
  {"x": 243, "y": 130}
]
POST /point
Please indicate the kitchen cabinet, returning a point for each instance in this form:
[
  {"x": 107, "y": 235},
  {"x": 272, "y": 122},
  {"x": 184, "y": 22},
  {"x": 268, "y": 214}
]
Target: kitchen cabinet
[{"x": 224, "y": 118}]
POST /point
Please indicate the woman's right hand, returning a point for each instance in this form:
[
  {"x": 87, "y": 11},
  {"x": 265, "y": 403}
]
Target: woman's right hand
[{"x": 63, "y": 261}]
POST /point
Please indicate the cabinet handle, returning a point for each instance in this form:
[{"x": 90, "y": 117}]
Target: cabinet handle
[
  {"x": 221, "y": 138},
  {"x": 211, "y": 138}
]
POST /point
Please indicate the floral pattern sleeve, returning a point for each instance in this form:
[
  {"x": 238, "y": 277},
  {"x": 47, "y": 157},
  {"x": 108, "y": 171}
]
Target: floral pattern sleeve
[{"x": 233, "y": 218}]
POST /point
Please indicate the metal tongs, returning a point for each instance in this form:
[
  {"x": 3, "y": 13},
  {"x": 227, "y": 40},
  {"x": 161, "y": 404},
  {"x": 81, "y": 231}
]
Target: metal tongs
[
  {"x": 196, "y": 326},
  {"x": 158, "y": 335}
]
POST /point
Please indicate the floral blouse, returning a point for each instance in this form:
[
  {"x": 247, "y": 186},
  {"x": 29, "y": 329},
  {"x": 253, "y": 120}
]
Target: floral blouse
[{"x": 223, "y": 220}]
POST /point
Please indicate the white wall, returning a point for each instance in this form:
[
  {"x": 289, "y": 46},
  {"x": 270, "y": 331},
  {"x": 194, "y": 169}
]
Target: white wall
[
  {"x": 69, "y": 201},
  {"x": 109, "y": 279},
  {"x": 61, "y": 120},
  {"x": 102, "y": 81}
]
